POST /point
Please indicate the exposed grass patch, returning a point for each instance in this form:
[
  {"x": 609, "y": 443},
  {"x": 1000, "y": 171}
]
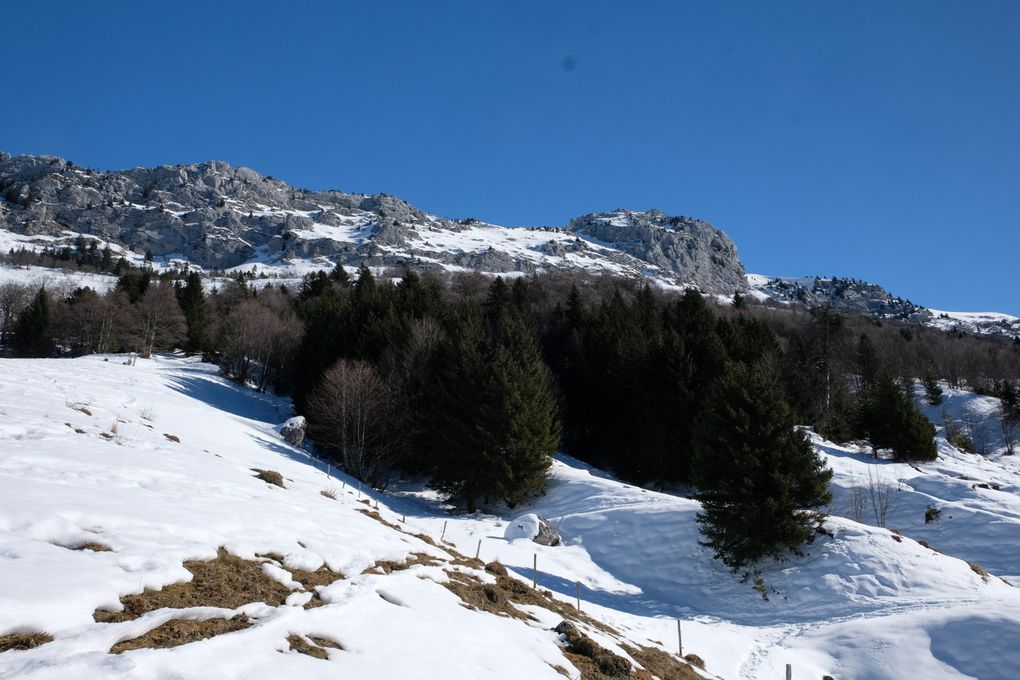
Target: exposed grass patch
[
  {"x": 979, "y": 570},
  {"x": 695, "y": 660},
  {"x": 81, "y": 408},
  {"x": 664, "y": 665},
  {"x": 329, "y": 493},
  {"x": 93, "y": 546},
  {"x": 172, "y": 438},
  {"x": 23, "y": 641},
  {"x": 486, "y": 597},
  {"x": 227, "y": 581},
  {"x": 379, "y": 518},
  {"x": 181, "y": 632},
  {"x": 323, "y": 576},
  {"x": 594, "y": 661},
  {"x": 269, "y": 477},
  {"x": 389, "y": 566},
  {"x": 299, "y": 644}
]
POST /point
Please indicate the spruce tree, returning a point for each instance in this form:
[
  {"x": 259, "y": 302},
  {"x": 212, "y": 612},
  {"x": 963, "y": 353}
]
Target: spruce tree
[
  {"x": 889, "y": 419},
  {"x": 191, "y": 298},
  {"x": 760, "y": 482},
  {"x": 33, "y": 332}
]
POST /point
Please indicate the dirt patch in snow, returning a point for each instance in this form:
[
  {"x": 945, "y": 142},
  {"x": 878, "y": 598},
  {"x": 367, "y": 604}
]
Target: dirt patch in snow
[
  {"x": 311, "y": 645},
  {"x": 181, "y": 632},
  {"x": 22, "y": 641},
  {"x": 227, "y": 581}
]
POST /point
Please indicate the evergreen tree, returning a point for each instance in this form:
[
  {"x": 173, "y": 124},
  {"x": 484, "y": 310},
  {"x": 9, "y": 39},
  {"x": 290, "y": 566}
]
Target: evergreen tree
[
  {"x": 494, "y": 425},
  {"x": 760, "y": 481},
  {"x": 33, "y": 332},
  {"x": 889, "y": 419},
  {"x": 932, "y": 389},
  {"x": 191, "y": 298}
]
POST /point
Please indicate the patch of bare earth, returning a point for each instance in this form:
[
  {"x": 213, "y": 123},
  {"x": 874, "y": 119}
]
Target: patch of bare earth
[
  {"x": 179, "y": 632},
  {"x": 227, "y": 581},
  {"x": 311, "y": 645},
  {"x": 23, "y": 641},
  {"x": 269, "y": 477}
]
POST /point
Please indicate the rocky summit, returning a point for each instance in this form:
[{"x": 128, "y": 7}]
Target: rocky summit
[{"x": 217, "y": 216}]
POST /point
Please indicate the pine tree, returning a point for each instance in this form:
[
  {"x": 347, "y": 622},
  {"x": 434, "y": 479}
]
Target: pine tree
[
  {"x": 889, "y": 419},
  {"x": 33, "y": 332},
  {"x": 191, "y": 298},
  {"x": 760, "y": 481},
  {"x": 932, "y": 390}
]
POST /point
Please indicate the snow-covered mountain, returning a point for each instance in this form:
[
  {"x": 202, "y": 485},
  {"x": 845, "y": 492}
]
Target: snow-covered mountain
[
  {"x": 214, "y": 215},
  {"x": 118, "y": 480},
  {"x": 853, "y": 296}
]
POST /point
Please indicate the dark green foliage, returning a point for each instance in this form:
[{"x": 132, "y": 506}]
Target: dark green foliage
[
  {"x": 33, "y": 332},
  {"x": 932, "y": 390},
  {"x": 191, "y": 298},
  {"x": 493, "y": 425},
  {"x": 759, "y": 479},
  {"x": 889, "y": 419},
  {"x": 932, "y": 514}
]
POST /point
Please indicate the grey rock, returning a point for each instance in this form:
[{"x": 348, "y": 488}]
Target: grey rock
[
  {"x": 218, "y": 216},
  {"x": 546, "y": 534}
]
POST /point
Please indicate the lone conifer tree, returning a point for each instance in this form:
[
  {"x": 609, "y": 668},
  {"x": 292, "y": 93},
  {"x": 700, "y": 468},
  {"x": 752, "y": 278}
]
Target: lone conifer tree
[
  {"x": 760, "y": 481},
  {"x": 33, "y": 336}
]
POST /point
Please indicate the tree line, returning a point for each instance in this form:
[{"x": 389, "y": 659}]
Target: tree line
[{"x": 474, "y": 383}]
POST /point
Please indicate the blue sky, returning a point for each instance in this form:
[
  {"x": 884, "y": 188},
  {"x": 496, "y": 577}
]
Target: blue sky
[{"x": 879, "y": 140}]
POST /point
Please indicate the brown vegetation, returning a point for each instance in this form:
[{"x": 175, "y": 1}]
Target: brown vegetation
[
  {"x": 227, "y": 581},
  {"x": 179, "y": 632},
  {"x": 270, "y": 477},
  {"x": 22, "y": 641}
]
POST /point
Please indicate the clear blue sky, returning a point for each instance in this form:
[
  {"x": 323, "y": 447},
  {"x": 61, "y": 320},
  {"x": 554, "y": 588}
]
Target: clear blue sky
[{"x": 872, "y": 139}]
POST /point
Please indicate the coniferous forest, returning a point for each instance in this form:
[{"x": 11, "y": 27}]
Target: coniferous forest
[{"x": 474, "y": 383}]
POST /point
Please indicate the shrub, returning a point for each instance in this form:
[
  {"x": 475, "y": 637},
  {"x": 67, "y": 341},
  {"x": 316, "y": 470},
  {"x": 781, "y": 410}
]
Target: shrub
[
  {"x": 270, "y": 477},
  {"x": 932, "y": 514}
]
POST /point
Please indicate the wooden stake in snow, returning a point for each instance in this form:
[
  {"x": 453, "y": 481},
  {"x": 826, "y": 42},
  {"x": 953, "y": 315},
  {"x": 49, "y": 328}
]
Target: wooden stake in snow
[
  {"x": 534, "y": 573},
  {"x": 403, "y": 519},
  {"x": 328, "y": 469},
  {"x": 442, "y": 535},
  {"x": 343, "y": 484},
  {"x": 478, "y": 550},
  {"x": 578, "y": 584},
  {"x": 359, "y": 488},
  {"x": 679, "y": 638},
  {"x": 789, "y": 671}
]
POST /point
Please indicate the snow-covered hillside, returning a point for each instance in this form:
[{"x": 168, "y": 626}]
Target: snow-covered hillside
[{"x": 156, "y": 462}]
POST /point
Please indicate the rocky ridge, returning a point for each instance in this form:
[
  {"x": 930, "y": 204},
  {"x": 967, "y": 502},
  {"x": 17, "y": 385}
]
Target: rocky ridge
[{"x": 217, "y": 216}]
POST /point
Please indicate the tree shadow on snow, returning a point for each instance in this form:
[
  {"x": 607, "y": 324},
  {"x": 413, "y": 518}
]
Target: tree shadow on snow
[{"x": 235, "y": 400}]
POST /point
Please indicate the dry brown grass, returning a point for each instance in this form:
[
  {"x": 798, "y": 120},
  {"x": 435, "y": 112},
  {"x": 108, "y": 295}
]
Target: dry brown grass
[
  {"x": 979, "y": 570},
  {"x": 663, "y": 665},
  {"x": 93, "y": 546},
  {"x": 269, "y": 477},
  {"x": 323, "y": 576},
  {"x": 23, "y": 641},
  {"x": 695, "y": 660},
  {"x": 329, "y": 493},
  {"x": 594, "y": 661},
  {"x": 325, "y": 642},
  {"x": 81, "y": 408},
  {"x": 389, "y": 566},
  {"x": 227, "y": 581},
  {"x": 179, "y": 632},
  {"x": 172, "y": 438},
  {"x": 379, "y": 518},
  {"x": 486, "y": 597}
]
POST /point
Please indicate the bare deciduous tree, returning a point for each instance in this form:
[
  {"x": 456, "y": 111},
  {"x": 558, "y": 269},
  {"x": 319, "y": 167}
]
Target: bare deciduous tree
[
  {"x": 13, "y": 298},
  {"x": 159, "y": 321},
  {"x": 351, "y": 414}
]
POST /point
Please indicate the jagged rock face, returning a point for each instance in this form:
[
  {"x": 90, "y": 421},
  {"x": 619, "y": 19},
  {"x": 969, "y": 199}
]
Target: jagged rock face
[
  {"x": 218, "y": 216},
  {"x": 706, "y": 256},
  {"x": 847, "y": 296}
]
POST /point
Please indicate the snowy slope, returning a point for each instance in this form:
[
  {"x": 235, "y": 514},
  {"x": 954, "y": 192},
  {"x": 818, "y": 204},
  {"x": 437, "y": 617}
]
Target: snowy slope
[{"x": 860, "y": 604}]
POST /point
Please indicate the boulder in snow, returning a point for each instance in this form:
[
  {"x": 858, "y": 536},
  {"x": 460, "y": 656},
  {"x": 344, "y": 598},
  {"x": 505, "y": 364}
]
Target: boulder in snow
[
  {"x": 534, "y": 528},
  {"x": 293, "y": 430}
]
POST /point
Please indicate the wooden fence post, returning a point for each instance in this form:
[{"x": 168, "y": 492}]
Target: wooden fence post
[
  {"x": 789, "y": 671},
  {"x": 578, "y": 584},
  {"x": 534, "y": 573},
  {"x": 679, "y": 638},
  {"x": 478, "y": 550},
  {"x": 442, "y": 535}
]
